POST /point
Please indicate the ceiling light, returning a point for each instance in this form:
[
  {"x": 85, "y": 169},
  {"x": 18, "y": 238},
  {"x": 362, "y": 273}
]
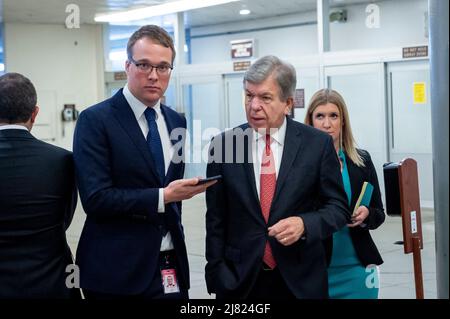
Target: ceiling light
[
  {"x": 244, "y": 11},
  {"x": 158, "y": 10}
]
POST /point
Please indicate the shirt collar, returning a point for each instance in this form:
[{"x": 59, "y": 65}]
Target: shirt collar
[
  {"x": 13, "y": 127},
  {"x": 137, "y": 106},
  {"x": 278, "y": 134}
]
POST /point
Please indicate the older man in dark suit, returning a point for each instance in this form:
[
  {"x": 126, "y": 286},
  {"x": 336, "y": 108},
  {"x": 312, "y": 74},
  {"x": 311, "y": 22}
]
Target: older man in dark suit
[
  {"x": 280, "y": 196},
  {"x": 37, "y": 201}
]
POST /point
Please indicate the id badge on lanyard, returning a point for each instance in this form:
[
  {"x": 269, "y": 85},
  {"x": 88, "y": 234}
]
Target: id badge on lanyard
[{"x": 169, "y": 278}]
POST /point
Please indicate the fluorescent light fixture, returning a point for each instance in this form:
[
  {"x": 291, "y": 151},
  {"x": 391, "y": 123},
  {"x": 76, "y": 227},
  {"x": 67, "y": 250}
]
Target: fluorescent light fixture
[
  {"x": 244, "y": 12},
  {"x": 158, "y": 10}
]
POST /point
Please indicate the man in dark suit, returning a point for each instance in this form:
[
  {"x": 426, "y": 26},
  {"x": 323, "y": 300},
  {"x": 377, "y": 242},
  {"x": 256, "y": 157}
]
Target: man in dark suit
[
  {"x": 129, "y": 165},
  {"x": 280, "y": 196},
  {"x": 37, "y": 200}
]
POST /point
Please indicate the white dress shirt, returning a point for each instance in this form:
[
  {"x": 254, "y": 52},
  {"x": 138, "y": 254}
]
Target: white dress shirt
[
  {"x": 138, "y": 109},
  {"x": 13, "y": 127},
  {"x": 276, "y": 146}
]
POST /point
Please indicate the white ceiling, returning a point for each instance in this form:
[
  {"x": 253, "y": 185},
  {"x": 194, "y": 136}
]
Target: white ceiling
[{"x": 53, "y": 11}]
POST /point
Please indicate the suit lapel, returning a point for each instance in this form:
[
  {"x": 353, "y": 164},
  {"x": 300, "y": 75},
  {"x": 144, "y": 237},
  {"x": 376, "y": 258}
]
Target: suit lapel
[
  {"x": 248, "y": 172},
  {"x": 292, "y": 144},
  {"x": 248, "y": 164},
  {"x": 125, "y": 116},
  {"x": 170, "y": 123},
  {"x": 174, "y": 168}
]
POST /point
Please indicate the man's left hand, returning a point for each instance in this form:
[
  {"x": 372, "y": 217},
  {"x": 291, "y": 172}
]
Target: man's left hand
[{"x": 287, "y": 231}]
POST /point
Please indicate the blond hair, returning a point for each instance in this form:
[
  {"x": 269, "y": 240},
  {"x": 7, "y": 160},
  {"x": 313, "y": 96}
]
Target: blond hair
[{"x": 346, "y": 141}]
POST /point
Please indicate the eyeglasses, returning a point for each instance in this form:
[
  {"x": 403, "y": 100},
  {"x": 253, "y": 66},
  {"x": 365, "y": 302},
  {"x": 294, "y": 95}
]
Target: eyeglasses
[{"x": 145, "y": 67}]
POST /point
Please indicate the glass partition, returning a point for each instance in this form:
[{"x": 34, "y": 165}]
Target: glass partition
[
  {"x": 203, "y": 108},
  {"x": 116, "y": 39},
  {"x": 115, "y": 43}
]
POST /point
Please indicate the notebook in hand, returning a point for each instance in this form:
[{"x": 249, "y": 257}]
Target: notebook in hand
[{"x": 365, "y": 196}]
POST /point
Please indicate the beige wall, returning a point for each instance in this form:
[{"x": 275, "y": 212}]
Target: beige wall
[{"x": 65, "y": 65}]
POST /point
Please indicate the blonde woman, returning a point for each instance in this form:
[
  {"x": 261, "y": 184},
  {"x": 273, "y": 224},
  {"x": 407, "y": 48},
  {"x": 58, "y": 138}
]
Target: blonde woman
[{"x": 352, "y": 272}]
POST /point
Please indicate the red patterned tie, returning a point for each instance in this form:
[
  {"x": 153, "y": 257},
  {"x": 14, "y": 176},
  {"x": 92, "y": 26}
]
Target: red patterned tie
[{"x": 268, "y": 182}]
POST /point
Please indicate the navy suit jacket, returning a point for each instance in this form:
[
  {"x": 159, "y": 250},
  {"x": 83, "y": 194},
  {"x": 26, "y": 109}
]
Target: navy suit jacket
[
  {"x": 37, "y": 202},
  {"x": 118, "y": 252},
  {"x": 309, "y": 185}
]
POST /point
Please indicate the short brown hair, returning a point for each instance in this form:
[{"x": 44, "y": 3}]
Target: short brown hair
[
  {"x": 153, "y": 32},
  {"x": 17, "y": 98}
]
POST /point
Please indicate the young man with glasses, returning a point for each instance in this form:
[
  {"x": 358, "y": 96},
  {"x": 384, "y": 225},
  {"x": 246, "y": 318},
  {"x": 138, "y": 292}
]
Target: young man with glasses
[{"x": 131, "y": 184}]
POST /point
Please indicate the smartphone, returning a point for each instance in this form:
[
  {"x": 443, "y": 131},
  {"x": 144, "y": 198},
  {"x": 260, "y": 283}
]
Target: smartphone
[{"x": 208, "y": 179}]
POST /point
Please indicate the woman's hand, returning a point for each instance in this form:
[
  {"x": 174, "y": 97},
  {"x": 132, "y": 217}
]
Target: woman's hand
[{"x": 359, "y": 216}]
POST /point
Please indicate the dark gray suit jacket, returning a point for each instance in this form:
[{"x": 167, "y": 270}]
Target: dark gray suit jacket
[{"x": 309, "y": 185}]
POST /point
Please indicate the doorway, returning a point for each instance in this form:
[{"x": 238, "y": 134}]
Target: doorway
[{"x": 409, "y": 120}]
